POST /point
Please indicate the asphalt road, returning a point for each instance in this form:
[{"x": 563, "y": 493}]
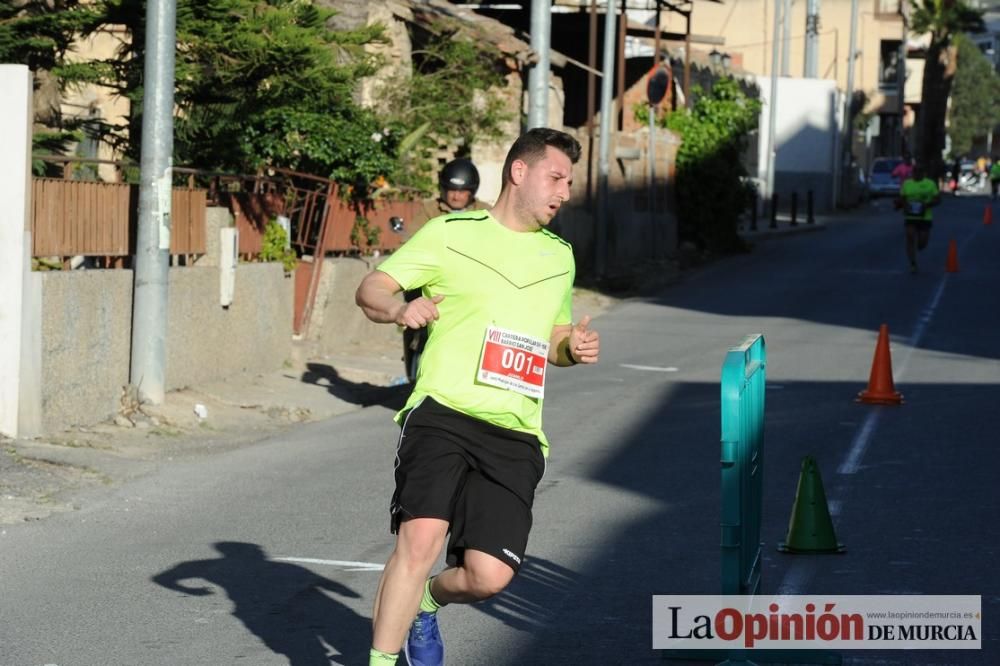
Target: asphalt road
[{"x": 269, "y": 554}]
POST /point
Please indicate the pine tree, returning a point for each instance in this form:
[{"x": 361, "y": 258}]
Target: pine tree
[
  {"x": 39, "y": 34},
  {"x": 258, "y": 85}
]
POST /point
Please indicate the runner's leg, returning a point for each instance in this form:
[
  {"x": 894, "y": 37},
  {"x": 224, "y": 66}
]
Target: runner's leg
[
  {"x": 923, "y": 237},
  {"x": 417, "y": 548},
  {"x": 479, "y": 577},
  {"x": 911, "y": 244}
]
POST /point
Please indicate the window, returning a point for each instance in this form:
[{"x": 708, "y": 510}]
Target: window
[
  {"x": 888, "y": 8},
  {"x": 888, "y": 64}
]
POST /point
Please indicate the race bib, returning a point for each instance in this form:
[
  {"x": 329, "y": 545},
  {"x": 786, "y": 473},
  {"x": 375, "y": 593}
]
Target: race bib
[
  {"x": 514, "y": 361},
  {"x": 915, "y": 208}
]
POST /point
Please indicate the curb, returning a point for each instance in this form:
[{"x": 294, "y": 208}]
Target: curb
[{"x": 788, "y": 230}]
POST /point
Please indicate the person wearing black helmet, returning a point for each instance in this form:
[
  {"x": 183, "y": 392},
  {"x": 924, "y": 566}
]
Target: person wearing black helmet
[{"x": 459, "y": 182}]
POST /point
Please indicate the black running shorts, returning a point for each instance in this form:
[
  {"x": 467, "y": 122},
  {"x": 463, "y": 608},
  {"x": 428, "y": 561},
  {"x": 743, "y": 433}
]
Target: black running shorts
[{"x": 479, "y": 477}]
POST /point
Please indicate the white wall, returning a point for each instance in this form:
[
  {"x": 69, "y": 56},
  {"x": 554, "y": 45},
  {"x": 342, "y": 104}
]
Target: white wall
[
  {"x": 19, "y": 294},
  {"x": 805, "y": 137}
]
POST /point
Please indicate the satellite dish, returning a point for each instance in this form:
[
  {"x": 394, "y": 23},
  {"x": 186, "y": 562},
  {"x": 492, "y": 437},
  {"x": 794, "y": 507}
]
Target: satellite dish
[{"x": 658, "y": 84}]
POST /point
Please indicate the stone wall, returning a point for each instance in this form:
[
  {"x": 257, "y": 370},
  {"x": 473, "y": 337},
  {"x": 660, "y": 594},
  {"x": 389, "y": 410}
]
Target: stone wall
[
  {"x": 206, "y": 342},
  {"x": 86, "y": 334},
  {"x": 338, "y": 326}
]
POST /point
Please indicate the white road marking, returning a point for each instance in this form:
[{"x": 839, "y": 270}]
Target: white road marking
[
  {"x": 852, "y": 463},
  {"x": 796, "y": 578},
  {"x": 349, "y": 565},
  {"x": 800, "y": 572},
  {"x": 871, "y": 271},
  {"x": 859, "y": 445},
  {"x": 648, "y": 368}
]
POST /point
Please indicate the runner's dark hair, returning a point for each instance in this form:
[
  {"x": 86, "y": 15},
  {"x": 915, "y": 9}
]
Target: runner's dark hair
[{"x": 530, "y": 147}]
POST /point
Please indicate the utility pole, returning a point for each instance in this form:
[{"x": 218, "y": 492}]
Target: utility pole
[
  {"x": 904, "y": 148},
  {"x": 772, "y": 99},
  {"x": 604, "y": 144},
  {"x": 152, "y": 252},
  {"x": 812, "y": 40},
  {"x": 848, "y": 137},
  {"x": 786, "y": 39},
  {"x": 538, "y": 77}
]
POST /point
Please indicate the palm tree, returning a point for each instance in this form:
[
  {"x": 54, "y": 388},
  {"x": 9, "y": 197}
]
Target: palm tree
[{"x": 942, "y": 19}]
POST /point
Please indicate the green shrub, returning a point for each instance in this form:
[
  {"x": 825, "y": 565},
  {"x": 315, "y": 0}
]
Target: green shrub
[
  {"x": 710, "y": 185},
  {"x": 364, "y": 232},
  {"x": 274, "y": 247}
]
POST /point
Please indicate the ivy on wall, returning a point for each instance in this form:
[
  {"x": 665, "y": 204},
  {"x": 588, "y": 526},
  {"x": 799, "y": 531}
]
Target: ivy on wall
[{"x": 711, "y": 186}]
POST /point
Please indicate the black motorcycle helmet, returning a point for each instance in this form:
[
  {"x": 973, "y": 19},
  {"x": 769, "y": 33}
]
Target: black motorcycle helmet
[{"x": 460, "y": 174}]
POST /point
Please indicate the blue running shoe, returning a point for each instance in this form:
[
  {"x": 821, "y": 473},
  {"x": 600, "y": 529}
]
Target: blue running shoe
[{"x": 424, "y": 646}]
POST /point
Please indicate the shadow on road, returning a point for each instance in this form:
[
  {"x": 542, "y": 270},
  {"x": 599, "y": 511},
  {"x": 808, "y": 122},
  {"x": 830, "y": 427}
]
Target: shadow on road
[
  {"x": 531, "y": 601},
  {"x": 290, "y": 608},
  {"x": 914, "y": 509},
  {"x": 358, "y": 393}
]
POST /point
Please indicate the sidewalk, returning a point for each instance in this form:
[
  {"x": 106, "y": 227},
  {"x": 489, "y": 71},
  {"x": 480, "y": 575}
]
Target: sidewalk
[
  {"x": 783, "y": 226},
  {"x": 57, "y": 473}
]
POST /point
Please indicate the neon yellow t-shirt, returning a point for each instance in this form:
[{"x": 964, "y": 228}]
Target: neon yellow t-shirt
[
  {"x": 923, "y": 191},
  {"x": 489, "y": 275}
]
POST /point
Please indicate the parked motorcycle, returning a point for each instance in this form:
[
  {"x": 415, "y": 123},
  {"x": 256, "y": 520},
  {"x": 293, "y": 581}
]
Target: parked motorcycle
[
  {"x": 964, "y": 179},
  {"x": 970, "y": 182}
]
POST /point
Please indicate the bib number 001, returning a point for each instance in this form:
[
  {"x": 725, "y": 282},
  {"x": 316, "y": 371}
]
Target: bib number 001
[
  {"x": 518, "y": 361},
  {"x": 513, "y": 361}
]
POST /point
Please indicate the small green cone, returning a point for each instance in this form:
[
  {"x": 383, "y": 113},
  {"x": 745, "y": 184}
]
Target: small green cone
[{"x": 810, "y": 529}]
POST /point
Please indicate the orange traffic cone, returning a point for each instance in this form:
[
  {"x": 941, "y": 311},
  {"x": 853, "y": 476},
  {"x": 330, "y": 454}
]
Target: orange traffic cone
[
  {"x": 952, "y": 265},
  {"x": 881, "y": 390},
  {"x": 988, "y": 214}
]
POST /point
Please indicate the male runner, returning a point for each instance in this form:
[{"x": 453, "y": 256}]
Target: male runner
[{"x": 497, "y": 298}]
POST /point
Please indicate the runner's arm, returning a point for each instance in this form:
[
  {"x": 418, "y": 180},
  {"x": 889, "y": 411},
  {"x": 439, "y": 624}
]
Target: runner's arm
[
  {"x": 570, "y": 344},
  {"x": 559, "y": 346},
  {"x": 377, "y": 298}
]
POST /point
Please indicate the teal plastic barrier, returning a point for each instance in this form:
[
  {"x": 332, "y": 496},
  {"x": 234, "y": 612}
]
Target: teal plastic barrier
[{"x": 743, "y": 382}]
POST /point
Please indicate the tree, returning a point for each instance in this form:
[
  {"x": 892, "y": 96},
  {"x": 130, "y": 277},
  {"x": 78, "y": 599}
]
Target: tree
[
  {"x": 942, "y": 19},
  {"x": 975, "y": 97},
  {"x": 40, "y": 34},
  {"x": 451, "y": 93},
  {"x": 710, "y": 172},
  {"x": 258, "y": 85}
]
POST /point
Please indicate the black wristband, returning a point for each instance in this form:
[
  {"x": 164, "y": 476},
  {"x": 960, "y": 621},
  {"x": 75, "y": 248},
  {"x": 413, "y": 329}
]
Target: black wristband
[{"x": 569, "y": 355}]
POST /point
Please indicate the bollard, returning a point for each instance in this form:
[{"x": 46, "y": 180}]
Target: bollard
[
  {"x": 753, "y": 212},
  {"x": 795, "y": 208},
  {"x": 774, "y": 211},
  {"x": 810, "y": 218}
]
